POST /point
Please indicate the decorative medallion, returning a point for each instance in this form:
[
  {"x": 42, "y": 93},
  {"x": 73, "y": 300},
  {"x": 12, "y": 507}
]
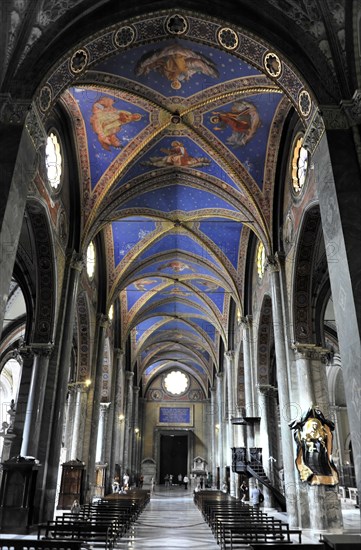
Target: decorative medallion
[
  {"x": 45, "y": 98},
  {"x": 124, "y": 37},
  {"x": 79, "y": 61},
  {"x": 176, "y": 24},
  {"x": 272, "y": 64},
  {"x": 304, "y": 103},
  {"x": 228, "y": 38}
]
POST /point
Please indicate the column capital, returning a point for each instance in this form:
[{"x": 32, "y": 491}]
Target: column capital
[
  {"x": 129, "y": 375},
  {"x": 103, "y": 320},
  {"x": 267, "y": 389},
  {"x": 219, "y": 375},
  {"x": 118, "y": 352},
  {"x": 352, "y": 108},
  {"x": 104, "y": 406},
  {"x": 229, "y": 354},
  {"x": 334, "y": 117},
  {"x": 76, "y": 261},
  {"x": 246, "y": 321},
  {"x": 136, "y": 389},
  {"x": 45, "y": 350},
  {"x": 273, "y": 263},
  {"x": 310, "y": 351}
]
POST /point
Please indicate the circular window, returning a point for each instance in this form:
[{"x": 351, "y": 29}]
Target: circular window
[
  {"x": 90, "y": 260},
  {"x": 299, "y": 166},
  {"x": 53, "y": 160},
  {"x": 261, "y": 260},
  {"x": 176, "y": 382}
]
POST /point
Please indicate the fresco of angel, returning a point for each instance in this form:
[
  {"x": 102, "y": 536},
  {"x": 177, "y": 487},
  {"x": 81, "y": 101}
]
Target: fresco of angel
[
  {"x": 177, "y": 64},
  {"x": 176, "y": 155},
  {"x": 107, "y": 121},
  {"x": 142, "y": 284},
  {"x": 243, "y": 120},
  {"x": 176, "y": 266}
]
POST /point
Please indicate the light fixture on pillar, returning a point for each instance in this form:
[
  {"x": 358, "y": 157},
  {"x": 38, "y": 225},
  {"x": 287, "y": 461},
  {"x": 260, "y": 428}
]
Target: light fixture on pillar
[
  {"x": 121, "y": 417},
  {"x": 217, "y": 427},
  {"x": 136, "y": 431}
]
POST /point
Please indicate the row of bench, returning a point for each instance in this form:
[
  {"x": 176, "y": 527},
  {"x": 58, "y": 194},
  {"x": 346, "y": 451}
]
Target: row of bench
[
  {"x": 235, "y": 524},
  {"x": 102, "y": 522}
]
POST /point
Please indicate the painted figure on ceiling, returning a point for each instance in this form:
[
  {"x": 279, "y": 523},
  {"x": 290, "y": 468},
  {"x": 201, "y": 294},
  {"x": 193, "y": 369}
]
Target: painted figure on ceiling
[
  {"x": 243, "y": 120},
  {"x": 107, "y": 121},
  {"x": 176, "y": 155},
  {"x": 142, "y": 284},
  {"x": 313, "y": 435},
  {"x": 176, "y": 266},
  {"x": 177, "y": 64}
]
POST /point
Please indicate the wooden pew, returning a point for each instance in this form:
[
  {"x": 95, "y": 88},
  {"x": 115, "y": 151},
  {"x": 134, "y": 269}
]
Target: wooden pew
[{"x": 35, "y": 544}]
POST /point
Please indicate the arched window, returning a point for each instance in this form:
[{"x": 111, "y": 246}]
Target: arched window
[
  {"x": 176, "y": 382},
  {"x": 90, "y": 260},
  {"x": 299, "y": 165},
  {"x": 261, "y": 260},
  {"x": 53, "y": 160}
]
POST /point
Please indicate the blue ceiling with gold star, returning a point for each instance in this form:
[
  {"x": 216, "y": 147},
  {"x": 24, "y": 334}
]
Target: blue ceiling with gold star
[{"x": 177, "y": 139}]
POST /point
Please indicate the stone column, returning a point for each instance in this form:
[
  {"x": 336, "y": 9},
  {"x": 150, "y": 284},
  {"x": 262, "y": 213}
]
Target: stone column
[
  {"x": 323, "y": 503},
  {"x": 220, "y": 430},
  {"x": 80, "y": 392},
  {"x": 333, "y": 140},
  {"x": 128, "y": 423},
  {"x": 267, "y": 431},
  {"x": 230, "y": 413},
  {"x": 135, "y": 429},
  {"x": 213, "y": 422},
  {"x": 61, "y": 384},
  {"x": 35, "y": 403},
  {"x": 248, "y": 386},
  {"x": 102, "y": 326},
  {"x": 117, "y": 425},
  {"x": 22, "y": 134},
  {"x": 102, "y": 429},
  {"x": 283, "y": 392}
]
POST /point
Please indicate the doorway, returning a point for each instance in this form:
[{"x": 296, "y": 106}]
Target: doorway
[{"x": 173, "y": 456}]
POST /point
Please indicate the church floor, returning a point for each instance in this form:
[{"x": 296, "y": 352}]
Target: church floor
[{"x": 172, "y": 521}]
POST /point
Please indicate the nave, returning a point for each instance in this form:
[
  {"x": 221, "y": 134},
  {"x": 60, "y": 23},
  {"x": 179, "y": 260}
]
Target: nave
[{"x": 171, "y": 520}]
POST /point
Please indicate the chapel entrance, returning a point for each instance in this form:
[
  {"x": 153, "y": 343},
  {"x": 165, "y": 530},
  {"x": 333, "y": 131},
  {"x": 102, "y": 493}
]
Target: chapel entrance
[{"x": 173, "y": 456}]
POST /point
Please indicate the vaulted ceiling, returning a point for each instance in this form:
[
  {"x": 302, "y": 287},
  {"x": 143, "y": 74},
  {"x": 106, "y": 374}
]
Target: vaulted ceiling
[{"x": 177, "y": 119}]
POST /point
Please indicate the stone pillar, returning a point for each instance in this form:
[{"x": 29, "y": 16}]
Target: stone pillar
[
  {"x": 136, "y": 430},
  {"x": 323, "y": 503},
  {"x": 332, "y": 141},
  {"x": 35, "y": 403},
  {"x": 80, "y": 392},
  {"x": 283, "y": 392},
  {"x": 247, "y": 365},
  {"x": 116, "y": 427},
  {"x": 267, "y": 430},
  {"x": 102, "y": 326},
  {"x": 21, "y": 134},
  {"x": 213, "y": 422},
  {"x": 74, "y": 270},
  {"x": 128, "y": 423},
  {"x": 102, "y": 430},
  {"x": 220, "y": 459},
  {"x": 230, "y": 413}
]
